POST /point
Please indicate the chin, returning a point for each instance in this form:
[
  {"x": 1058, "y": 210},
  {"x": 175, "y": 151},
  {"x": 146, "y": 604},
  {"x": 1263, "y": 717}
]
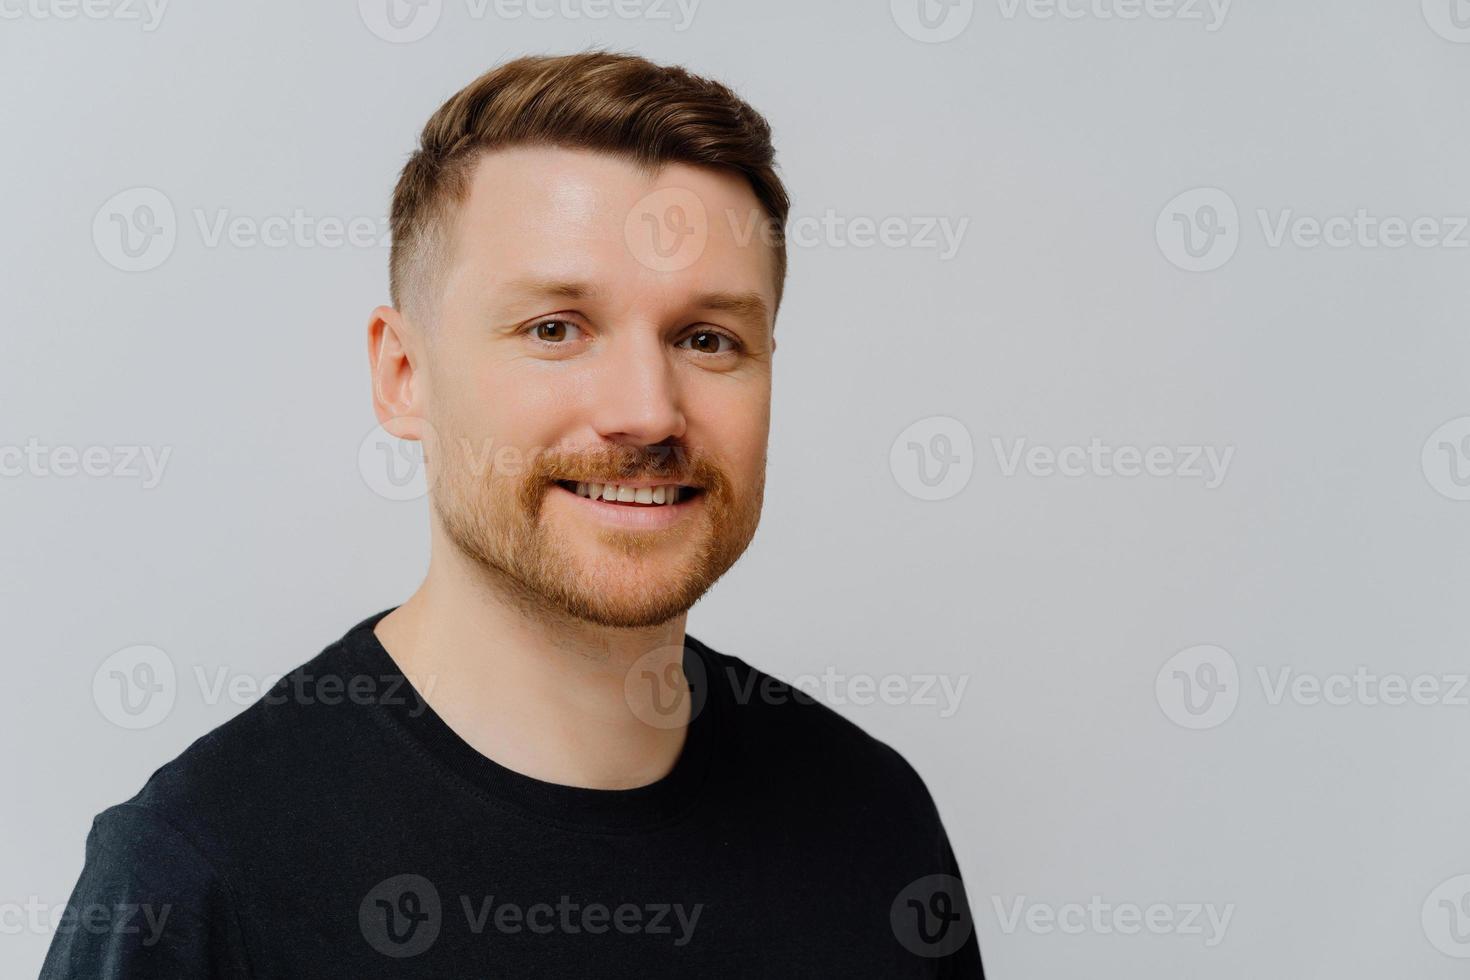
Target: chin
[
  {"x": 631, "y": 580},
  {"x": 625, "y": 611}
]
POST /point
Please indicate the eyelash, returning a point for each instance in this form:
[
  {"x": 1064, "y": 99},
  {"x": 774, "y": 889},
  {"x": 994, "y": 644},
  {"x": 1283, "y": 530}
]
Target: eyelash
[{"x": 735, "y": 345}]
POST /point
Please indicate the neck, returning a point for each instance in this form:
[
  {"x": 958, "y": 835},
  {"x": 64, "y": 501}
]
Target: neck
[{"x": 533, "y": 689}]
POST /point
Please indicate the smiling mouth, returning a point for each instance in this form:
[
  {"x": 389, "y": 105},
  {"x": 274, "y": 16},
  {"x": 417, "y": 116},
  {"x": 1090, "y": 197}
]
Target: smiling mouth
[{"x": 660, "y": 495}]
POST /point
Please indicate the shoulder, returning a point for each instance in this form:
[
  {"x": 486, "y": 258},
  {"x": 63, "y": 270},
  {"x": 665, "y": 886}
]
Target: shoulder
[
  {"x": 790, "y": 730},
  {"x": 149, "y": 903},
  {"x": 250, "y": 769}
]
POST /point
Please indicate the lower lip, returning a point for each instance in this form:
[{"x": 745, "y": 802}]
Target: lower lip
[{"x": 645, "y": 517}]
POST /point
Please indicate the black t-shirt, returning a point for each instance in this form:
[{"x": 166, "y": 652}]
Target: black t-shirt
[{"x": 339, "y": 828}]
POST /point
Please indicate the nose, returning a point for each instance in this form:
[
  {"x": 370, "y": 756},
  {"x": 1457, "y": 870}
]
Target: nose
[{"x": 635, "y": 396}]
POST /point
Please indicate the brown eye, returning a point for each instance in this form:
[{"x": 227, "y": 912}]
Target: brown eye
[
  {"x": 708, "y": 342},
  {"x": 553, "y": 331}
]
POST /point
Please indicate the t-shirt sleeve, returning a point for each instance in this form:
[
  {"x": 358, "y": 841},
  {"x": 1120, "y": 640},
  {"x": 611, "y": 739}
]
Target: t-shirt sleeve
[
  {"x": 965, "y": 961},
  {"x": 941, "y": 890},
  {"x": 148, "y": 905}
]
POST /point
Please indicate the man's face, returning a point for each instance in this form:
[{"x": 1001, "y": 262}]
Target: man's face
[{"x": 602, "y": 326}]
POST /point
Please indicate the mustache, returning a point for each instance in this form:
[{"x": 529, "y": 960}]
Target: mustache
[{"x": 667, "y": 463}]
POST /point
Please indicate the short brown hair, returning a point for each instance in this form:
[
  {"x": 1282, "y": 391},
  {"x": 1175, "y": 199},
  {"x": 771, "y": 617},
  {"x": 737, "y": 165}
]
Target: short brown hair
[{"x": 598, "y": 100}]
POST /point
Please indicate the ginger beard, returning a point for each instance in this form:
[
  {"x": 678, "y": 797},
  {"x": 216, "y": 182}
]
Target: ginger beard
[{"x": 604, "y": 575}]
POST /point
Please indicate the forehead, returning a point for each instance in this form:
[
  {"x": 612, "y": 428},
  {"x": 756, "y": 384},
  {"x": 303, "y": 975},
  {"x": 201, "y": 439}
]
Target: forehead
[{"x": 579, "y": 215}]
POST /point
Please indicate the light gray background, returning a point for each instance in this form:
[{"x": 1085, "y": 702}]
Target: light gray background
[{"x": 1331, "y": 832}]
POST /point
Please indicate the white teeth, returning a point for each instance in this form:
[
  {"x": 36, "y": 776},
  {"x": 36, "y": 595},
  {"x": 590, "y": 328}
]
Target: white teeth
[{"x": 664, "y": 494}]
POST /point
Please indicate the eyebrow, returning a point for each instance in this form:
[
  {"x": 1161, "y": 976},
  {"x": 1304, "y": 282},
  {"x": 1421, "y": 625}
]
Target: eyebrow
[
  {"x": 558, "y": 288},
  {"x": 745, "y": 305}
]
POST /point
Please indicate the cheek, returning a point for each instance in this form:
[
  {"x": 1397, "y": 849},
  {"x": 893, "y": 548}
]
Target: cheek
[
  {"x": 735, "y": 426},
  {"x": 512, "y": 410},
  {"x": 530, "y": 416}
]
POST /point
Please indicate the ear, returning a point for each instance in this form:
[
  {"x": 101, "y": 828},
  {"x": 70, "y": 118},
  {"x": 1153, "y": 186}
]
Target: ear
[{"x": 399, "y": 391}]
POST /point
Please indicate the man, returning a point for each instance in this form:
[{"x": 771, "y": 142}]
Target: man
[{"x": 528, "y": 768}]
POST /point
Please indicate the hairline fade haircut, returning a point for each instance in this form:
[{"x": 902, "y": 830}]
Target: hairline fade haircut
[{"x": 621, "y": 104}]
